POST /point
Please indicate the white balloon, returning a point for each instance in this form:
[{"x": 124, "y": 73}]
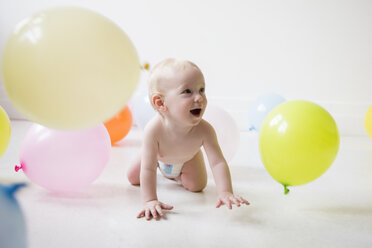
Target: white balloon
[
  {"x": 141, "y": 109},
  {"x": 226, "y": 129}
]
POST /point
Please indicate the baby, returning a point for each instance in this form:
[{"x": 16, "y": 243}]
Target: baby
[{"x": 173, "y": 138}]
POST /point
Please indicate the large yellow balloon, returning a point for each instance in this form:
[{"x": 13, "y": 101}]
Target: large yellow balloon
[
  {"x": 299, "y": 140},
  {"x": 69, "y": 68},
  {"x": 4, "y": 131},
  {"x": 368, "y": 121}
]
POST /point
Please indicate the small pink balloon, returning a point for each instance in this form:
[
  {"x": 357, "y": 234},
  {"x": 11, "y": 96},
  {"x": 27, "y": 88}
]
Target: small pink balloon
[
  {"x": 226, "y": 129},
  {"x": 64, "y": 161}
]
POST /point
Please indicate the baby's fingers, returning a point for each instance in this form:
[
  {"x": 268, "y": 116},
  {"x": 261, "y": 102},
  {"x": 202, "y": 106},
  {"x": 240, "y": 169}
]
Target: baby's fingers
[
  {"x": 226, "y": 202},
  {"x": 158, "y": 209},
  {"x": 235, "y": 201},
  {"x": 154, "y": 213},
  {"x": 166, "y": 206},
  {"x": 148, "y": 214},
  {"x": 242, "y": 200},
  {"x": 141, "y": 214}
]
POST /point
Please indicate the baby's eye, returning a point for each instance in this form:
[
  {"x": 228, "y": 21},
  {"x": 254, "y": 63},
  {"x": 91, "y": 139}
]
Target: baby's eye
[
  {"x": 202, "y": 90},
  {"x": 187, "y": 91}
]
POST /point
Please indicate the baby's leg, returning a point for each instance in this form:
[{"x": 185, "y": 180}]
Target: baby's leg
[
  {"x": 194, "y": 175},
  {"x": 134, "y": 170}
]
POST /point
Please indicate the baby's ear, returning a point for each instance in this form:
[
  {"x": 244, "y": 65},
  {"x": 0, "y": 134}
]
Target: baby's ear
[{"x": 158, "y": 103}]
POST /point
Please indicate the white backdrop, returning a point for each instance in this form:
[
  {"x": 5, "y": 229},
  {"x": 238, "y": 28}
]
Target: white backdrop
[{"x": 318, "y": 50}]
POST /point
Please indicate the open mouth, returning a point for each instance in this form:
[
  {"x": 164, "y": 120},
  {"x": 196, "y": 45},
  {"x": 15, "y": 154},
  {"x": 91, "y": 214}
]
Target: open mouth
[{"x": 195, "y": 112}]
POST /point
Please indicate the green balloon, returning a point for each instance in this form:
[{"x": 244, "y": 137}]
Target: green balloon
[{"x": 299, "y": 140}]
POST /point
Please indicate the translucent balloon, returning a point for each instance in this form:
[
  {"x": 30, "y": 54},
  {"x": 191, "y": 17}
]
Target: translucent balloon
[
  {"x": 142, "y": 110},
  {"x": 5, "y": 130},
  {"x": 261, "y": 107},
  {"x": 69, "y": 68},
  {"x": 299, "y": 141},
  {"x": 13, "y": 233},
  {"x": 226, "y": 129},
  {"x": 368, "y": 121},
  {"x": 64, "y": 160},
  {"x": 120, "y": 125}
]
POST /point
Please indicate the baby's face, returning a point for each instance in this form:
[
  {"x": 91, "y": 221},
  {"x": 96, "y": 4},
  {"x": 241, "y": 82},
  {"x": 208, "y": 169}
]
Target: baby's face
[{"x": 184, "y": 96}]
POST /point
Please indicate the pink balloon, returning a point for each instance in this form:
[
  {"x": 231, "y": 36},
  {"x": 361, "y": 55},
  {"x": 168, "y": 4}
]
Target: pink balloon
[
  {"x": 61, "y": 160},
  {"x": 226, "y": 129}
]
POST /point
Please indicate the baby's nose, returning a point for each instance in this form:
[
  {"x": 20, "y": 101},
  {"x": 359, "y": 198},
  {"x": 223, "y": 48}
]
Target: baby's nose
[{"x": 198, "y": 98}]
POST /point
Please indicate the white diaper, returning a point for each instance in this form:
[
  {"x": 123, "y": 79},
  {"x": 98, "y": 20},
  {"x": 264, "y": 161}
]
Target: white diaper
[{"x": 170, "y": 170}]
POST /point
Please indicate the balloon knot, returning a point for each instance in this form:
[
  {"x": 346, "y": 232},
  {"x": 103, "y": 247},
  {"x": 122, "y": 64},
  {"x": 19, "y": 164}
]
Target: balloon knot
[
  {"x": 17, "y": 168},
  {"x": 286, "y": 190},
  {"x": 146, "y": 66}
]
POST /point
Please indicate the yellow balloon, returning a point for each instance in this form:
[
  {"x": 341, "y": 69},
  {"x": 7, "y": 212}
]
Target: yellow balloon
[
  {"x": 69, "y": 68},
  {"x": 368, "y": 121},
  {"x": 4, "y": 131},
  {"x": 299, "y": 140}
]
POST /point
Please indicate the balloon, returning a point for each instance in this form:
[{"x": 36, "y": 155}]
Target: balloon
[
  {"x": 118, "y": 126},
  {"x": 13, "y": 232},
  {"x": 299, "y": 140},
  {"x": 142, "y": 109},
  {"x": 4, "y": 131},
  {"x": 368, "y": 121},
  {"x": 261, "y": 107},
  {"x": 226, "y": 129},
  {"x": 61, "y": 160},
  {"x": 69, "y": 68}
]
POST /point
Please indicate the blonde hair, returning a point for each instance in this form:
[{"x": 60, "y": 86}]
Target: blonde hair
[{"x": 164, "y": 70}]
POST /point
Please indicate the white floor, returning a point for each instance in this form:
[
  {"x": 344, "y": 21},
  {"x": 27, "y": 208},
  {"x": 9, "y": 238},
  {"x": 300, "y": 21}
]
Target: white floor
[{"x": 333, "y": 211}]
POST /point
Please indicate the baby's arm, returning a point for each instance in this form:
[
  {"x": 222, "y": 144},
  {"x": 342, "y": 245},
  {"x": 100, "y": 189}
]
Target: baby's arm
[
  {"x": 220, "y": 169},
  {"x": 151, "y": 206}
]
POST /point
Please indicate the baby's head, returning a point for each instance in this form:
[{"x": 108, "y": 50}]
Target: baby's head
[
  {"x": 164, "y": 74},
  {"x": 167, "y": 73},
  {"x": 177, "y": 91}
]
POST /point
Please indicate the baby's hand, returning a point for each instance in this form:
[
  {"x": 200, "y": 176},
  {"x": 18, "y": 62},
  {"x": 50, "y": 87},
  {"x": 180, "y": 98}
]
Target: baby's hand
[
  {"x": 153, "y": 209},
  {"x": 227, "y": 198}
]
